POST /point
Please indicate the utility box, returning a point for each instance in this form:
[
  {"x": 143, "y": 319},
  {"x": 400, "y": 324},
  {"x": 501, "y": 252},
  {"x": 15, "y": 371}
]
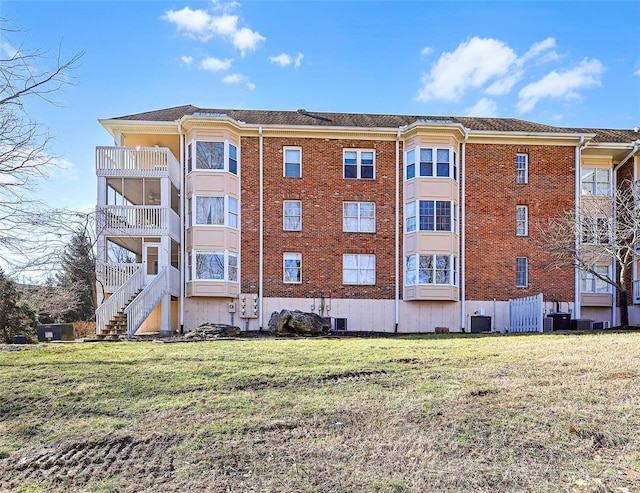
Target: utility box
[
  {"x": 480, "y": 323},
  {"x": 55, "y": 332}
]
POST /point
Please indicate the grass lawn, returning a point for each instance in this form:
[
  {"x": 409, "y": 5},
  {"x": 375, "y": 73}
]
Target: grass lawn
[{"x": 536, "y": 413}]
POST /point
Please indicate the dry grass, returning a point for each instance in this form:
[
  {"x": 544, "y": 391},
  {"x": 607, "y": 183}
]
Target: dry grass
[{"x": 452, "y": 414}]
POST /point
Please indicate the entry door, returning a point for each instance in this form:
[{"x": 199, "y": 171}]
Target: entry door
[{"x": 150, "y": 258}]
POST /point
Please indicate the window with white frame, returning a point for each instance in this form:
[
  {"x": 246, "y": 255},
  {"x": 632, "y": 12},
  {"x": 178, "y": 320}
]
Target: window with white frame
[
  {"x": 432, "y": 215},
  {"x": 591, "y": 283},
  {"x": 410, "y": 217},
  {"x": 359, "y": 217},
  {"x": 596, "y": 230},
  {"x": 522, "y": 220},
  {"x": 522, "y": 168},
  {"x": 410, "y": 165},
  {"x": 218, "y": 156},
  {"x": 292, "y": 215},
  {"x": 211, "y": 211},
  {"x": 358, "y": 268},
  {"x": 212, "y": 266},
  {"x": 292, "y": 268},
  {"x": 522, "y": 272},
  {"x": 431, "y": 162},
  {"x": 359, "y": 164},
  {"x": 596, "y": 181},
  {"x": 431, "y": 269},
  {"x": 293, "y": 162}
]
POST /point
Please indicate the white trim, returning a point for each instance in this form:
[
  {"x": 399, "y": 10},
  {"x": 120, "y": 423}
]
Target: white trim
[
  {"x": 524, "y": 221},
  {"x": 284, "y": 215},
  {"x": 358, "y": 164},
  {"x": 526, "y": 272},
  {"x": 296, "y": 256},
  {"x": 358, "y": 217},
  {"x": 526, "y": 168},
  {"x": 357, "y": 257},
  {"x": 284, "y": 161}
]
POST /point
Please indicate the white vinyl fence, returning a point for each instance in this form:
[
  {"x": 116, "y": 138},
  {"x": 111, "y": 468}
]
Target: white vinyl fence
[{"x": 526, "y": 314}]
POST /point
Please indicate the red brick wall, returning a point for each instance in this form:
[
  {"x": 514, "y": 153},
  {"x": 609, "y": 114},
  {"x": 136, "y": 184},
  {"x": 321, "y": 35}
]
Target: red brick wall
[
  {"x": 322, "y": 242},
  {"x": 492, "y": 195}
]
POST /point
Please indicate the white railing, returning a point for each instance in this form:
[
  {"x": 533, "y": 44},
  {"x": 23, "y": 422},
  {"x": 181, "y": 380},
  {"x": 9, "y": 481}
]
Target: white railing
[
  {"x": 636, "y": 292},
  {"x": 174, "y": 281},
  {"x": 132, "y": 217},
  {"x": 145, "y": 302},
  {"x": 525, "y": 314},
  {"x": 114, "y": 275},
  {"x": 138, "y": 161},
  {"x": 117, "y": 300}
]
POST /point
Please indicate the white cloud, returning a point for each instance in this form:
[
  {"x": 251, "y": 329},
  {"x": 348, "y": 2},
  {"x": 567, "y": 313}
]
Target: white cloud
[
  {"x": 561, "y": 84},
  {"x": 484, "y": 107},
  {"x": 187, "y": 60},
  {"x": 298, "y": 60},
  {"x": 426, "y": 51},
  {"x": 215, "y": 64},
  {"x": 282, "y": 59},
  {"x": 538, "y": 48},
  {"x": 200, "y": 24},
  {"x": 504, "y": 85},
  {"x": 239, "y": 79},
  {"x": 246, "y": 40},
  {"x": 470, "y": 66},
  {"x": 637, "y": 72},
  {"x": 9, "y": 50}
]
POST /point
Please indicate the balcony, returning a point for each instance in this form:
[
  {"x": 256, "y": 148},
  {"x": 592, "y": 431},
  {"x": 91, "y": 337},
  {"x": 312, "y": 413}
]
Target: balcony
[
  {"x": 113, "y": 275},
  {"x": 138, "y": 162},
  {"x": 137, "y": 220}
]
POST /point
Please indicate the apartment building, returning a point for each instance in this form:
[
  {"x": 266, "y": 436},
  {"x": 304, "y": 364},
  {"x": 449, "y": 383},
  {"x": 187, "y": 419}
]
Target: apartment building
[{"x": 381, "y": 222}]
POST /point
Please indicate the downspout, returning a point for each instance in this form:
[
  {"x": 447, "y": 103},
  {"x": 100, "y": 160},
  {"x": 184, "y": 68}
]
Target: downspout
[
  {"x": 576, "y": 200},
  {"x": 614, "y": 187},
  {"x": 261, "y": 231},
  {"x": 462, "y": 267},
  {"x": 182, "y": 225},
  {"x": 397, "y": 239}
]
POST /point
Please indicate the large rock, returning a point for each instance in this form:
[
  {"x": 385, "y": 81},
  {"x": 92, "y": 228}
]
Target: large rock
[
  {"x": 299, "y": 323},
  {"x": 213, "y": 331}
]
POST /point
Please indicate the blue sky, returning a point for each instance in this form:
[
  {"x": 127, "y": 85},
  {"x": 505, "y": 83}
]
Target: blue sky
[{"x": 560, "y": 63}]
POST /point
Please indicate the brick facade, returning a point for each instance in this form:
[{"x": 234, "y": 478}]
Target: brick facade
[{"x": 492, "y": 195}]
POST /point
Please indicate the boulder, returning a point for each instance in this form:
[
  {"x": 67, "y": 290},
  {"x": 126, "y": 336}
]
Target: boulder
[
  {"x": 213, "y": 331},
  {"x": 298, "y": 323}
]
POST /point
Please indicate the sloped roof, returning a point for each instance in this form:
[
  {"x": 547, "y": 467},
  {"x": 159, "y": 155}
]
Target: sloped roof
[{"x": 363, "y": 120}]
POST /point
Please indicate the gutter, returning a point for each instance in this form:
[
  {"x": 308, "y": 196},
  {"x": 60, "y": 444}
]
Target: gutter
[
  {"x": 397, "y": 233},
  {"x": 261, "y": 231},
  {"x": 463, "y": 250},
  {"x": 577, "y": 198}
]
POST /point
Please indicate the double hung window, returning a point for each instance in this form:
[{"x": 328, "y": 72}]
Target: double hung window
[
  {"x": 596, "y": 181},
  {"x": 522, "y": 272},
  {"x": 522, "y": 220},
  {"x": 432, "y": 215},
  {"x": 359, "y": 217},
  {"x": 358, "y": 269},
  {"x": 431, "y": 162},
  {"x": 292, "y": 268},
  {"x": 359, "y": 164},
  {"x": 292, "y": 215},
  {"x": 591, "y": 283},
  {"x": 522, "y": 168},
  {"x": 293, "y": 162},
  {"x": 213, "y": 211}
]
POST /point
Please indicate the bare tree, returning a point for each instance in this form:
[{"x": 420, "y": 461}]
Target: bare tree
[
  {"x": 24, "y": 146},
  {"x": 606, "y": 228}
]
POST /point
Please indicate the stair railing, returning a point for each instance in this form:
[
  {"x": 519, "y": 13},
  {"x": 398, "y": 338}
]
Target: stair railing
[
  {"x": 118, "y": 299},
  {"x": 140, "y": 308}
]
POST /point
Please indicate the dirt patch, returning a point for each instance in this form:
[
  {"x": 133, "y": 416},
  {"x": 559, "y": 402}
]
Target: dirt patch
[{"x": 142, "y": 462}]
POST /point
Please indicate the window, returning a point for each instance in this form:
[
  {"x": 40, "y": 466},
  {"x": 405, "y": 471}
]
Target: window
[
  {"x": 522, "y": 272},
  {"x": 410, "y": 217},
  {"x": 211, "y": 211},
  {"x": 522, "y": 168},
  {"x": 358, "y": 269},
  {"x": 431, "y": 162},
  {"x": 522, "y": 220},
  {"x": 359, "y": 165},
  {"x": 292, "y": 268},
  {"x": 359, "y": 217},
  {"x": 434, "y": 215},
  {"x": 293, "y": 162},
  {"x": 595, "y": 230},
  {"x": 220, "y": 156},
  {"x": 292, "y": 215},
  {"x": 590, "y": 283},
  {"x": 596, "y": 181},
  {"x": 212, "y": 266},
  {"x": 411, "y": 164},
  {"x": 431, "y": 269}
]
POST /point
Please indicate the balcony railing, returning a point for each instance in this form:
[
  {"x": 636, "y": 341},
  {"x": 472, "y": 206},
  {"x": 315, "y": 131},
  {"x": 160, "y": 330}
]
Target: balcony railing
[
  {"x": 137, "y": 161},
  {"x": 114, "y": 275},
  {"x": 137, "y": 220}
]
